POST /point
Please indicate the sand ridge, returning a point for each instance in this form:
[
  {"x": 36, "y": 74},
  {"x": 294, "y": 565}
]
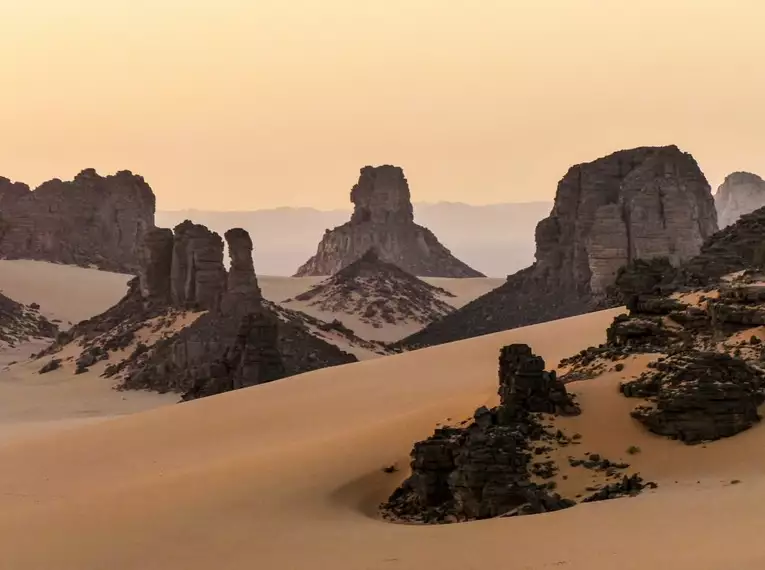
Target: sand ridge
[{"x": 287, "y": 475}]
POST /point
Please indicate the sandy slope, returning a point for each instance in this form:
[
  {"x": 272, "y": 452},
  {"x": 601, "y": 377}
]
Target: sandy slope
[
  {"x": 64, "y": 292},
  {"x": 279, "y": 289},
  {"x": 288, "y": 475}
]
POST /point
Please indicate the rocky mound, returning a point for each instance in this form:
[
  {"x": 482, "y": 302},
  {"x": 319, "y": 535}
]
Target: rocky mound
[
  {"x": 378, "y": 294},
  {"x": 740, "y": 194},
  {"x": 19, "y": 323},
  {"x": 642, "y": 203},
  {"x": 698, "y": 396},
  {"x": 91, "y": 221},
  {"x": 485, "y": 469},
  {"x": 383, "y": 218},
  {"x": 188, "y": 326}
]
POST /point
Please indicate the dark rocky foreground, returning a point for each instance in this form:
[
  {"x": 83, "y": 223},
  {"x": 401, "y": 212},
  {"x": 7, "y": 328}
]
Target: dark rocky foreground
[
  {"x": 485, "y": 469},
  {"x": 378, "y": 293},
  {"x": 90, "y": 221},
  {"x": 19, "y": 322},
  {"x": 236, "y": 338},
  {"x": 642, "y": 203},
  {"x": 383, "y": 218}
]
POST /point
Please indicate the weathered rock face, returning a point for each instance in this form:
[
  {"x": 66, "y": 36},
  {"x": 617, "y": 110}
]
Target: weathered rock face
[
  {"x": 382, "y": 218},
  {"x": 483, "y": 470},
  {"x": 642, "y": 203},
  {"x": 239, "y": 341},
  {"x": 198, "y": 278},
  {"x": 699, "y": 396},
  {"x": 740, "y": 193},
  {"x": 241, "y": 275},
  {"x": 156, "y": 255},
  {"x": 92, "y": 220}
]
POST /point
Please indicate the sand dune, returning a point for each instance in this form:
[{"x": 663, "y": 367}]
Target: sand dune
[
  {"x": 64, "y": 292},
  {"x": 288, "y": 476}
]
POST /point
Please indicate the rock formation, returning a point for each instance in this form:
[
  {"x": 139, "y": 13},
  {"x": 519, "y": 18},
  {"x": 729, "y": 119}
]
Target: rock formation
[
  {"x": 698, "y": 396},
  {"x": 379, "y": 294},
  {"x": 19, "y": 323},
  {"x": 382, "y": 218},
  {"x": 485, "y": 469},
  {"x": 740, "y": 193},
  {"x": 90, "y": 221},
  {"x": 634, "y": 204},
  {"x": 236, "y": 340}
]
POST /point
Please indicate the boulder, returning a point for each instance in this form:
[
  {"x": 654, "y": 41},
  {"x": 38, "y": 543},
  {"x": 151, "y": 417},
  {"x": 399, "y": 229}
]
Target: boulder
[{"x": 698, "y": 396}]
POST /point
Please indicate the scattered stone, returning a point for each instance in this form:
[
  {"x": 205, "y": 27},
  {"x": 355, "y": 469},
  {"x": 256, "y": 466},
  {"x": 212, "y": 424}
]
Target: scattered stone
[
  {"x": 629, "y": 486},
  {"x": 52, "y": 365}
]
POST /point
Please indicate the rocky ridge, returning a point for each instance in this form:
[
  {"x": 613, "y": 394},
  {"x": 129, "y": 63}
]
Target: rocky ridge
[
  {"x": 740, "y": 194},
  {"x": 383, "y": 218},
  {"x": 188, "y": 326},
  {"x": 90, "y": 221},
  {"x": 642, "y": 203},
  {"x": 379, "y": 294}
]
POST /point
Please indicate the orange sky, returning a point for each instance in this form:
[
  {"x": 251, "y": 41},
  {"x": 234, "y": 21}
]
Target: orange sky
[{"x": 225, "y": 104}]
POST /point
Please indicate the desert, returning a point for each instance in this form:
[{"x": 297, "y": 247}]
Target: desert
[{"x": 382, "y": 286}]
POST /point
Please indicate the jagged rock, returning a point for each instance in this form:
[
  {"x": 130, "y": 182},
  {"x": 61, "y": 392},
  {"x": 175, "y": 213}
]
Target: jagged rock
[
  {"x": 241, "y": 275},
  {"x": 240, "y": 340},
  {"x": 642, "y": 203},
  {"x": 156, "y": 262},
  {"x": 198, "y": 278},
  {"x": 483, "y": 470},
  {"x": 383, "y": 218},
  {"x": 643, "y": 277},
  {"x": 740, "y": 194},
  {"x": 698, "y": 396},
  {"x": 748, "y": 316},
  {"x": 52, "y": 365},
  {"x": 19, "y": 323},
  {"x": 640, "y": 333},
  {"x": 378, "y": 293},
  {"x": 737, "y": 247},
  {"x": 655, "y": 305},
  {"x": 90, "y": 221}
]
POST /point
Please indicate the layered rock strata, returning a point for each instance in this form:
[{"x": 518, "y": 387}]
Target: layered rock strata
[
  {"x": 235, "y": 339},
  {"x": 642, "y": 203},
  {"x": 91, "y": 221},
  {"x": 383, "y": 218}
]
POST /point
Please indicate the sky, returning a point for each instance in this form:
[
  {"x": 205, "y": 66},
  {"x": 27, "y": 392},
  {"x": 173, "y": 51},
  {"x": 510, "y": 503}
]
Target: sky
[{"x": 249, "y": 104}]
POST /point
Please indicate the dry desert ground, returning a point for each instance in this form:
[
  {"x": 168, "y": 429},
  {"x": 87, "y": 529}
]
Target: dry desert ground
[{"x": 288, "y": 475}]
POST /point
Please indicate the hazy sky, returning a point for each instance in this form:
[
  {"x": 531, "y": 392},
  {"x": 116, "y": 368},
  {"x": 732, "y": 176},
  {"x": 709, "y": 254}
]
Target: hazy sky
[{"x": 226, "y": 104}]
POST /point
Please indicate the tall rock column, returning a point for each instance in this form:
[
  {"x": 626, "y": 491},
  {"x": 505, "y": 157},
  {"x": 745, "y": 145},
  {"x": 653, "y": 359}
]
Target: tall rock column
[
  {"x": 198, "y": 277},
  {"x": 156, "y": 263},
  {"x": 383, "y": 219},
  {"x": 740, "y": 193}
]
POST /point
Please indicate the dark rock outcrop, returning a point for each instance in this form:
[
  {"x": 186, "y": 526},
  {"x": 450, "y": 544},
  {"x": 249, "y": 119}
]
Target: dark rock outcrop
[
  {"x": 90, "y": 221},
  {"x": 378, "y": 293},
  {"x": 382, "y": 218},
  {"x": 239, "y": 341},
  {"x": 483, "y": 470},
  {"x": 19, "y": 323},
  {"x": 642, "y": 203},
  {"x": 698, "y": 396},
  {"x": 740, "y": 194},
  {"x": 197, "y": 278}
]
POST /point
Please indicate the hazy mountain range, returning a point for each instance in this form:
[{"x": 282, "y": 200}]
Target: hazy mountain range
[{"x": 497, "y": 239}]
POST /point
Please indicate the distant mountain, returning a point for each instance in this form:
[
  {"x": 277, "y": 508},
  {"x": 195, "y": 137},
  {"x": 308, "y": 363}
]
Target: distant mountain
[{"x": 497, "y": 239}]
